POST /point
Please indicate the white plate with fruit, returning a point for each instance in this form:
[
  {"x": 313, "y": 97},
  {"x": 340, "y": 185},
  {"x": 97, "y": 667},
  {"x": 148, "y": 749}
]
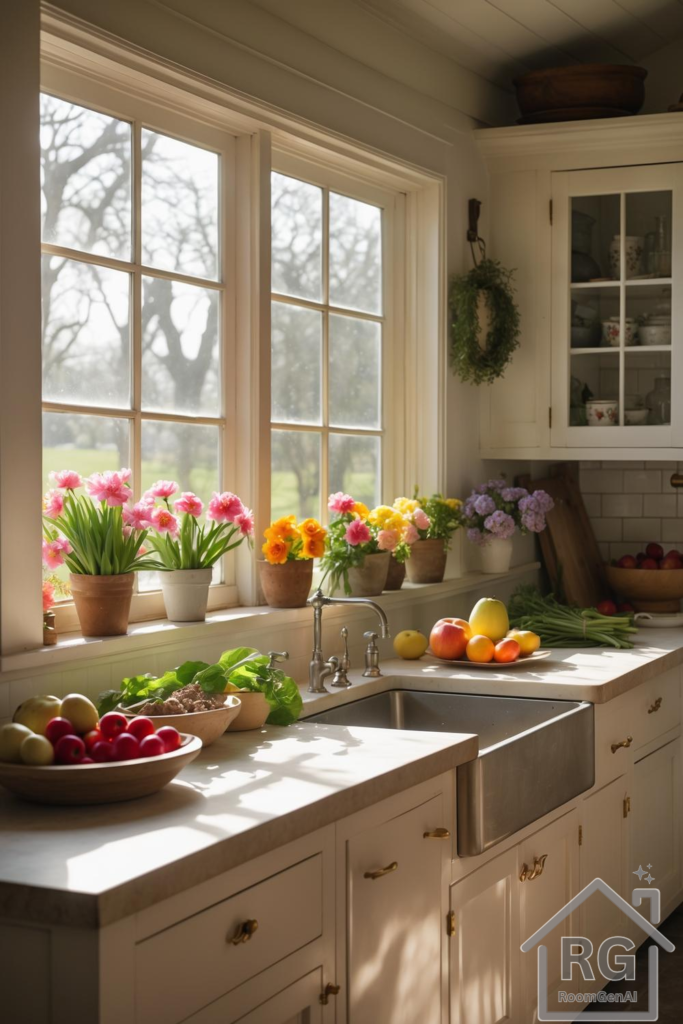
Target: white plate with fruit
[
  {"x": 485, "y": 641},
  {"x": 60, "y": 752}
]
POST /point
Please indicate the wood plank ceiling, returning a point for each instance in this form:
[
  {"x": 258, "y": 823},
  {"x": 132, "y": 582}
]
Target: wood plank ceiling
[{"x": 499, "y": 39}]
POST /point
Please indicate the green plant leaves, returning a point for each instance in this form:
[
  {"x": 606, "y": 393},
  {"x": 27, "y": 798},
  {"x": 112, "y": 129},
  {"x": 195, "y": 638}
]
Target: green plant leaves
[{"x": 472, "y": 360}]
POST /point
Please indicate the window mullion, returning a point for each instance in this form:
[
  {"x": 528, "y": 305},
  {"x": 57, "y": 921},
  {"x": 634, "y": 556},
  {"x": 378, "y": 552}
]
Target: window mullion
[
  {"x": 325, "y": 435},
  {"x": 136, "y": 361}
]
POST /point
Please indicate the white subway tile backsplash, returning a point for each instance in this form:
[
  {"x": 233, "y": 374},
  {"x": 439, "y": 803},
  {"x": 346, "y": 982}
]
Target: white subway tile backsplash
[
  {"x": 657, "y": 465},
  {"x": 624, "y": 505},
  {"x": 643, "y": 530},
  {"x": 593, "y": 503},
  {"x": 599, "y": 481},
  {"x": 672, "y": 532},
  {"x": 609, "y": 464},
  {"x": 642, "y": 481},
  {"x": 632, "y": 502},
  {"x": 608, "y": 529},
  {"x": 660, "y": 505}
]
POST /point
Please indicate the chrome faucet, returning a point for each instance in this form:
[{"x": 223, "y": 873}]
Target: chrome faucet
[{"x": 319, "y": 669}]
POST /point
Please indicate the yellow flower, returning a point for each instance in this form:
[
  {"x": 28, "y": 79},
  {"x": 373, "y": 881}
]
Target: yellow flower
[
  {"x": 406, "y": 505},
  {"x": 311, "y": 528},
  {"x": 454, "y": 503},
  {"x": 275, "y": 550},
  {"x": 381, "y": 515},
  {"x": 361, "y": 510},
  {"x": 283, "y": 529},
  {"x": 313, "y": 547}
]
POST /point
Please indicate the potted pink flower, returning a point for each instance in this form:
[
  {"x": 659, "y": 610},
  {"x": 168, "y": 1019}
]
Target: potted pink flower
[
  {"x": 358, "y": 547},
  {"x": 88, "y": 533},
  {"x": 187, "y": 549}
]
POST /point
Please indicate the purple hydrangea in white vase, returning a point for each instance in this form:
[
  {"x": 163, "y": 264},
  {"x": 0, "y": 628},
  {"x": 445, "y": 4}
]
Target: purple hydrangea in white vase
[{"x": 494, "y": 512}]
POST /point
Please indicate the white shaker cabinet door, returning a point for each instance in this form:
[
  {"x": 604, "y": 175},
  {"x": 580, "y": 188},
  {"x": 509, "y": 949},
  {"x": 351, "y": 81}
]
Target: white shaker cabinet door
[{"x": 656, "y": 822}]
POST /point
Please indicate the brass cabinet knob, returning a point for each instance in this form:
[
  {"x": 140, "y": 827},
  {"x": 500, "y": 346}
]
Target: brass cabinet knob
[
  {"x": 528, "y": 874},
  {"x": 655, "y": 707},
  {"x": 437, "y": 833},
  {"x": 622, "y": 743},
  {"x": 329, "y": 990},
  {"x": 244, "y": 932},
  {"x": 381, "y": 872}
]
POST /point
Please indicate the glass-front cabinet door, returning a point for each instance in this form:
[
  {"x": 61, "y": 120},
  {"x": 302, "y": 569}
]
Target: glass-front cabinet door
[{"x": 616, "y": 317}]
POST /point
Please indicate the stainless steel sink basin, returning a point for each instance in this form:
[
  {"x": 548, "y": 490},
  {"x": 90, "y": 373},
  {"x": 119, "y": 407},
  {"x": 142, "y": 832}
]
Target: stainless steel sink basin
[{"x": 534, "y": 755}]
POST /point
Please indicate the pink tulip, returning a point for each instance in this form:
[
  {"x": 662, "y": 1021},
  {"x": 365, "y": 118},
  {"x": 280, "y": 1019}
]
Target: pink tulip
[
  {"x": 225, "y": 508},
  {"x": 109, "y": 486},
  {"x": 53, "y": 504},
  {"x": 411, "y": 535},
  {"x": 421, "y": 519},
  {"x": 138, "y": 516},
  {"x": 54, "y": 551},
  {"x": 357, "y": 532},
  {"x": 164, "y": 521},
  {"x": 189, "y": 503},
  {"x": 387, "y": 540},
  {"x": 68, "y": 479},
  {"x": 340, "y": 502},
  {"x": 48, "y": 595},
  {"x": 162, "y": 489},
  {"x": 245, "y": 521}
]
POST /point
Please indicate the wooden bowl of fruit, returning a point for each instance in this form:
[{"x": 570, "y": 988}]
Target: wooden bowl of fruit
[
  {"x": 49, "y": 758},
  {"x": 652, "y": 581}
]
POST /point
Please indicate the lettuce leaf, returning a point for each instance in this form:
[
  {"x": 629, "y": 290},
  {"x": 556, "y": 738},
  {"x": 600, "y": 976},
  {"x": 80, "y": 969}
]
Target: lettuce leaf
[{"x": 279, "y": 689}]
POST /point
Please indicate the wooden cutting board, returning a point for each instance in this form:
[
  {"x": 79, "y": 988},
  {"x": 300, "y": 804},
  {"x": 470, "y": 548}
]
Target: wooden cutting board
[{"x": 570, "y": 551}]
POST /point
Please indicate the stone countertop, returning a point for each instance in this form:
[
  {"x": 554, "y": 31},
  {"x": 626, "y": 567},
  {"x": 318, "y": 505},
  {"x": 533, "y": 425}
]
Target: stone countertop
[
  {"x": 593, "y": 674},
  {"x": 247, "y": 794}
]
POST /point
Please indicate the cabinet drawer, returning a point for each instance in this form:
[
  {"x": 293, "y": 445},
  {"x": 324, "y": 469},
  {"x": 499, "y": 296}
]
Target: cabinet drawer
[
  {"x": 613, "y": 726},
  {"x": 194, "y": 962},
  {"x": 656, "y": 708}
]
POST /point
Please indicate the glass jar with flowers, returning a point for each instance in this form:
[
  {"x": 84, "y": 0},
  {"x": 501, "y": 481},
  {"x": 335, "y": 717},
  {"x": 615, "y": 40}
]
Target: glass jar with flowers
[
  {"x": 187, "y": 549},
  {"x": 435, "y": 520},
  {"x": 358, "y": 546},
  {"x": 88, "y": 533},
  {"x": 289, "y": 552},
  {"x": 492, "y": 514}
]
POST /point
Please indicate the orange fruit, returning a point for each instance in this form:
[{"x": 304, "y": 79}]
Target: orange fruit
[
  {"x": 480, "y": 648},
  {"x": 464, "y": 624},
  {"x": 506, "y": 650}
]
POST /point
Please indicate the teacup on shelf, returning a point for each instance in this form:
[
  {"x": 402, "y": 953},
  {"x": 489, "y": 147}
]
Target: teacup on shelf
[{"x": 611, "y": 331}]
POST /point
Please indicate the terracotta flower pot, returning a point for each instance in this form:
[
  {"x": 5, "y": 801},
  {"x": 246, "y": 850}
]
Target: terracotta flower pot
[
  {"x": 370, "y": 578},
  {"x": 396, "y": 574},
  {"x": 102, "y": 603},
  {"x": 186, "y": 593},
  {"x": 427, "y": 562},
  {"x": 287, "y": 585}
]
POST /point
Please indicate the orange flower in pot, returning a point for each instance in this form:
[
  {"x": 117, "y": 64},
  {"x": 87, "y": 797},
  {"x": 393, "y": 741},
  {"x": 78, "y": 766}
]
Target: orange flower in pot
[{"x": 289, "y": 551}]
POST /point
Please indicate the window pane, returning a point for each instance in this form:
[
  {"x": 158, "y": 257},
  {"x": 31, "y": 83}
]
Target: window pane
[
  {"x": 86, "y": 335},
  {"x": 295, "y": 478},
  {"x": 184, "y": 452},
  {"x": 179, "y": 206},
  {"x": 88, "y": 444},
  {"x": 355, "y": 254},
  {"x": 355, "y": 372},
  {"x": 180, "y": 361},
  {"x": 296, "y": 364},
  {"x": 297, "y": 226},
  {"x": 355, "y": 467},
  {"x": 85, "y": 178}
]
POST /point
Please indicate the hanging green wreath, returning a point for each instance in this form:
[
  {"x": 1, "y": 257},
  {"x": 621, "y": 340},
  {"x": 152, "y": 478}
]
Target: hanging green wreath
[{"x": 471, "y": 360}]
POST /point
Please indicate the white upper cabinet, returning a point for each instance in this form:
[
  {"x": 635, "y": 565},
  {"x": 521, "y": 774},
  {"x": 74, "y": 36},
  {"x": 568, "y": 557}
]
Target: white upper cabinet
[{"x": 590, "y": 217}]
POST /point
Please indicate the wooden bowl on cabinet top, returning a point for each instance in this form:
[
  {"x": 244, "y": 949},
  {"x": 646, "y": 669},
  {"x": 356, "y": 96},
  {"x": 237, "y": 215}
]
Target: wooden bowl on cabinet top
[
  {"x": 580, "y": 91},
  {"x": 648, "y": 590},
  {"x": 207, "y": 725},
  {"x": 107, "y": 783}
]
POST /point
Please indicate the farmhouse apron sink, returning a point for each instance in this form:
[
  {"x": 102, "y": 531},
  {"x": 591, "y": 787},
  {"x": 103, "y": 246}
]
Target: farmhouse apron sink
[{"x": 534, "y": 755}]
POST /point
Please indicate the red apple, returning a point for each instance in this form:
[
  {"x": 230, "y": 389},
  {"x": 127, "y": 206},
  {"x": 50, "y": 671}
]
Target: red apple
[
  {"x": 69, "y": 749},
  {"x": 674, "y": 554},
  {"x": 125, "y": 747},
  {"x": 170, "y": 737},
  {"x": 640, "y": 557},
  {"x": 627, "y": 562},
  {"x": 152, "y": 746},
  {"x": 112, "y": 724},
  {"x": 448, "y": 640},
  {"x": 102, "y": 752},
  {"x": 91, "y": 738},
  {"x": 141, "y": 727},
  {"x": 58, "y": 727},
  {"x": 655, "y": 551},
  {"x": 625, "y": 607},
  {"x": 648, "y": 563},
  {"x": 87, "y": 760},
  {"x": 671, "y": 562},
  {"x": 607, "y": 607}
]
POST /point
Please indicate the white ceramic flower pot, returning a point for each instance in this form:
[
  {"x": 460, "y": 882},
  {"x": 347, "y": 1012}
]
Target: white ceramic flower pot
[
  {"x": 496, "y": 555},
  {"x": 186, "y": 594}
]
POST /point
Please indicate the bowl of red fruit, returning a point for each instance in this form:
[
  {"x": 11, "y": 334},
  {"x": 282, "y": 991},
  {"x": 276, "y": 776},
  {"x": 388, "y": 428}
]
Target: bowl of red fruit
[
  {"x": 49, "y": 758},
  {"x": 651, "y": 580}
]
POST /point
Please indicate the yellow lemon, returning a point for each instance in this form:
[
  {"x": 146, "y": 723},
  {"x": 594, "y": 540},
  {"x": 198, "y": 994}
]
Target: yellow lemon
[
  {"x": 410, "y": 644},
  {"x": 231, "y": 688},
  {"x": 490, "y": 618},
  {"x": 528, "y": 642}
]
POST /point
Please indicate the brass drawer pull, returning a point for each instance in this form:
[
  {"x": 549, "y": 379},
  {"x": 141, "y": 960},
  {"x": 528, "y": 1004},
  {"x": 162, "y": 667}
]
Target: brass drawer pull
[
  {"x": 655, "y": 707},
  {"x": 244, "y": 932},
  {"x": 528, "y": 874},
  {"x": 437, "y": 833},
  {"x": 622, "y": 743},
  {"x": 374, "y": 875}
]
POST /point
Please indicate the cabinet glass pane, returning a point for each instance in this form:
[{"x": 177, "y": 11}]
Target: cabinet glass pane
[
  {"x": 648, "y": 235},
  {"x": 179, "y": 206},
  {"x": 295, "y": 474},
  {"x": 594, "y": 318},
  {"x": 648, "y": 315},
  {"x": 86, "y": 334},
  {"x": 355, "y": 372},
  {"x": 296, "y": 237},
  {"x": 355, "y": 254},
  {"x": 594, "y": 390},
  {"x": 647, "y": 385},
  {"x": 595, "y": 222},
  {"x": 355, "y": 466},
  {"x": 296, "y": 364},
  {"x": 85, "y": 160}
]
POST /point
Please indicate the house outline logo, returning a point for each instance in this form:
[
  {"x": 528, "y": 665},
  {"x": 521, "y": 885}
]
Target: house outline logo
[{"x": 597, "y": 885}]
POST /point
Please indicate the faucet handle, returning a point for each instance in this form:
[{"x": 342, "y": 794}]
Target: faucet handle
[
  {"x": 345, "y": 661},
  {"x": 372, "y": 670},
  {"x": 276, "y": 656},
  {"x": 372, "y": 637}
]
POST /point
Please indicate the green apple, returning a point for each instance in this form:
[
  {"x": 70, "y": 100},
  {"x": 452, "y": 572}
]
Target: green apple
[
  {"x": 36, "y": 749},
  {"x": 81, "y": 712},
  {"x": 11, "y": 738},
  {"x": 36, "y": 712}
]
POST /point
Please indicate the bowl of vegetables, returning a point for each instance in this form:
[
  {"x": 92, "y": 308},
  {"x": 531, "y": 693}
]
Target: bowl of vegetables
[{"x": 206, "y": 715}]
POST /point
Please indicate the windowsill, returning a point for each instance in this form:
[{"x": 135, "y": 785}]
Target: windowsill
[{"x": 141, "y": 635}]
